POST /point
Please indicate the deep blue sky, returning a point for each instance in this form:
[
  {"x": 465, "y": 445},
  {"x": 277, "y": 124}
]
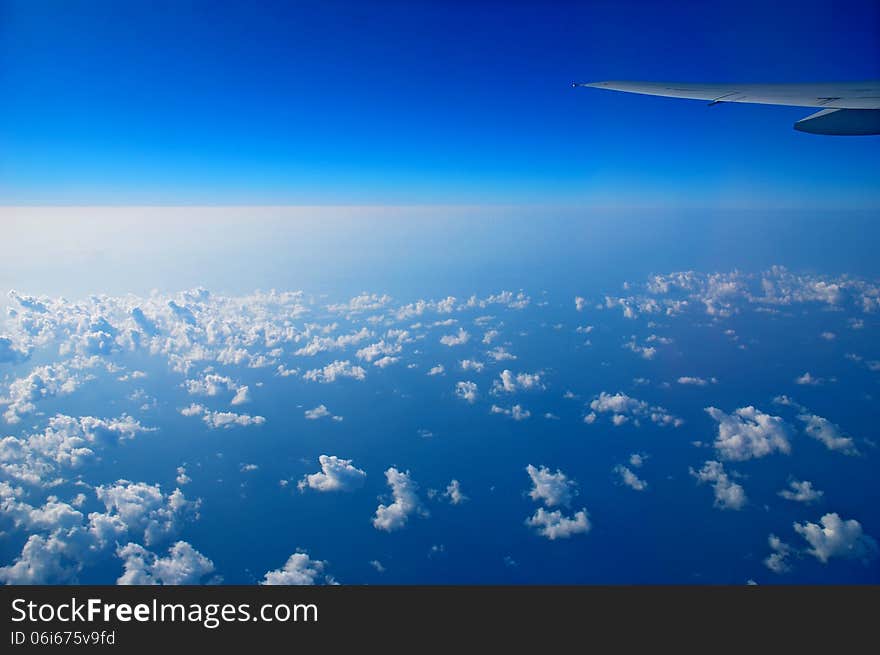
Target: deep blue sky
[{"x": 413, "y": 102}]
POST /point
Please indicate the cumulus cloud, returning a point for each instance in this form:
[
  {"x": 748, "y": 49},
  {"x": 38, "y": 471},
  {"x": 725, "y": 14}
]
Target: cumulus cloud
[
  {"x": 728, "y": 494},
  {"x": 222, "y": 420},
  {"x": 510, "y": 382},
  {"x": 466, "y": 391},
  {"x": 365, "y": 302},
  {"x": 67, "y": 442},
  {"x": 9, "y": 353},
  {"x": 183, "y": 565},
  {"x": 211, "y": 384},
  {"x": 777, "y": 560},
  {"x": 404, "y": 491},
  {"x": 42, "y": 382},
  {"x": 437, "y": 370},
  {"x": 835, "y": 537},
  {"x": 182, "y": 478},
  {"x": 379, "y": 350},
  {"x": 320, "y": 344},
  {"x": 499, "y": 354},
  {"x": 335, "y": 475},
  {"x": 645, "y": 352},
  {"x": 144, "y": 508},
  {"x": 472, "y": 365},
  {"x": 623, "y": 407},
  {"x": 242, "y": 396},
  {"x": 454, "y": 494},
  {"x": 334, "y": 371},
  {"x": 517, "y": 412},
  {"x": 320, "y": 412},
  {"x": 696, "y": 381},
  {"x": 629, "y": 478},
  {"x": 801, "y": 492},
  {"x": 62, "y": 541},
  {"x": 808, "y": 379},
  {"x": 551, "y": 488},
  {"x": 828, "y": 433},
  {"x": 749, "y": 433},
  {"x": 299, "y": 569},
  {"x": 458, "y": 339},
  {"x": 554, "y": 525}
]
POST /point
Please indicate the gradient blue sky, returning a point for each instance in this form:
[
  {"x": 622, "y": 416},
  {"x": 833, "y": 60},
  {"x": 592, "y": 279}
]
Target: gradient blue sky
[{"x": 413, "y": 102}]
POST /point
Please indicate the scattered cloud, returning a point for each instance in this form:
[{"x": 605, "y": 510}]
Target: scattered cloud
[
  {"x": 728, "y": 494},
  {"x": 299, "y": 569},
  {"x": 183, "y": 565},
  {"x": 749, "y": 433},
  {"x": 335, "y": 475},
  {"x": 801, "y": 492},
  {"x": 406, "y": 502},
  {"x": 835, "y": 537}
]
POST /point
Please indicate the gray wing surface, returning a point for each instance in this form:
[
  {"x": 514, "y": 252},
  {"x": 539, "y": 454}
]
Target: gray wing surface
[{"x": 847, "y": 108}]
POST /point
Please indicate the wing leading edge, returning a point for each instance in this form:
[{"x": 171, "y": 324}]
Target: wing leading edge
[{"x": 849, "y": 108}]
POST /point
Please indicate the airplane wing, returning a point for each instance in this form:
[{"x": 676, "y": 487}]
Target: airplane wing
[{"x": 847, "y": 108}]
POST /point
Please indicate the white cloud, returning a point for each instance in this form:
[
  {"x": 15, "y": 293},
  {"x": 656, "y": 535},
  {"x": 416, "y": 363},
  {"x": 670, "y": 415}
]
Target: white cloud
[
  {"x": 728, "y": 494},
  {"x": 242, "y": 396},
  {"x": 466, "y": 391},
  {"x": 622, "y": 407},
  {"x": 517, "y": 412},
  {"x": 454, "y": 494},
  {"x": 828, "y": 433},
  {"x": 143, "y": 507},
  {"x": 580, "y": 303},
  {"x": 404, "y": 491},
  {"x": 211, "y": 384},
  {"x": 61, "y": 542},
  {"x": 554, "y": 525},
  {"x": 182, "y": 478},
  {"x": 777, "y": 561},
  {"x": 336, "y": 475},
  {"x": 300, "y": 569},
  {"x": 365, "y": 302},
  {"x": 335, "y": 370},
  {"x": 551, "y": 488},
  {"x": 629, "y": 478},
  {"x": 319, "y": 344},
  {"x": 808, "y": 379},
  {"x": 472, "y": 365},
  {"x": 696, "y": 381},
  {"x": 490, "y": 335},
  {"x": 499, "y": 354},
  {"x": 749, "y": 433},
  {"x": 183, "y": 565},
  {"x": 42, "y": 382},
  {"x": 67, "y": 442},
  {"x": 510, "y": 382},
  {"x": 194, "y": 409},
  {"x": 835, "y": 537},
  {"x": 320, "y": 412},
  {"x": 646, "y": 352},
  {"x": 9, "y": 353},
  {"x": 222, "y": 420},
  {"x": 379, "y": 350},
  {"x": 801, "y": 492},
  {"x": 461, "y": 338},
  {"x": 437, "y": 370}
]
